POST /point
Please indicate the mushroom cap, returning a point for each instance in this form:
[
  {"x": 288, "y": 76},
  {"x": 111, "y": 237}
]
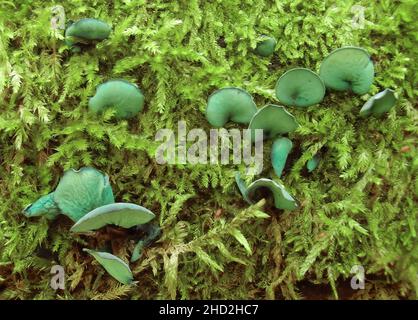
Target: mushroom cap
[
  {"x": 279, "y": 152},
  {"x": 242, "y": 186},
  {"x": 44, "y": 206},
  {"x": 265, "y": 47},
  {"x": 379, "y": 103},
  {"x": 274, "y": 120},
  {"x": 115, "y": 266},
  {"x": 348, "y": 68},
  {"x": 230, "y": 104},
  {"x": 282, "y": 199},
  {"x": 81, "y": 191},
  {"x": 89, "y": 29},
  {"x": 124, "y": 215},
  {"x": 300, "y": 87},
  {"x": 124, "y": 96}
]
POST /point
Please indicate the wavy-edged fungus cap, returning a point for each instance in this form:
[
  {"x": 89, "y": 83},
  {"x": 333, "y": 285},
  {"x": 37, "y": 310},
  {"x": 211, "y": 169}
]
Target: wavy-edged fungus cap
[
  {"x": 230, "y": 104},
  {"x": 266, "y": 45},
  {"x": 87, "y": 29},
  {"x": 300, "y": 87},
  {"x": 125, "y": 97},
  {"x": 80, "y": 191},
  {"x": 274, "y": 120},
  {"x": 124, "y": 215},
  {"x": 279, "y": 152},
  {"x": 77, "y": 193},
  {"x": 380, "y": 103},
  {"x": 348, "y": 68},
  {"x": 114, "y": 265}
]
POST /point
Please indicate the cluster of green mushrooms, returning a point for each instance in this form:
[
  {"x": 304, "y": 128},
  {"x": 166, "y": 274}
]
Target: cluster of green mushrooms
[
  {"x": 86, "y": 196},
  {"x": 344, "y": 69}
]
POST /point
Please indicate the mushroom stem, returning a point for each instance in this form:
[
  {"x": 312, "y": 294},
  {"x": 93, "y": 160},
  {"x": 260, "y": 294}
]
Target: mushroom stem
[
  {"x": 279, "y": 152},
  {"x": 152, "y": 232}
]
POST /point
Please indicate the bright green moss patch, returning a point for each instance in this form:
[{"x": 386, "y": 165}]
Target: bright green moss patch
[{"x": 358, "y": 207}]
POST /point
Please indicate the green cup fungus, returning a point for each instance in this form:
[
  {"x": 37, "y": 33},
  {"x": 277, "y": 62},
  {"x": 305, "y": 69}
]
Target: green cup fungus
[
  {"x": 300, "y": 87},
  {"x": 125, "y": 97},
  {"x": 77, "y": 193},
  {"x": 379, "y": 103},
  {"x": 265, "y": 46},
  {"x": 86, "y": 31},
  {"x": 230, "y": 104},
  {"x": 274, "y": 120},
  {"x": 124, "y": 215},
  {"x": 115, "y": 266},
  {"x": 348, "y": 68},
  {"x": 279, "y": 152},
  {"x": 282, "y": 199}
]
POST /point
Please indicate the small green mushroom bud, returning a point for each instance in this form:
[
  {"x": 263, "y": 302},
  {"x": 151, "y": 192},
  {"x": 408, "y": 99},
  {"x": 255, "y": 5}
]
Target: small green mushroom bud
[
  {"x": 313, "y": 163},
  {"x": 125, "y": 97},
  {"x": 348, "y": 68},
  {"x": 279, "y": 152},
  {"x": 274, "y": 120},
  {"x": 379, "y": 103},
  {"x": 44, "y": 206},
  {"x": 300, "y": 87},
  {"x": 115, "y": 266},
  {"x": 282, "y": 199},
  {"x": 124, "y": 215},
  {"x": 230, "y": 104},
  {"x": 85, "y": 31},
  {"x": 266, "y": 45}
]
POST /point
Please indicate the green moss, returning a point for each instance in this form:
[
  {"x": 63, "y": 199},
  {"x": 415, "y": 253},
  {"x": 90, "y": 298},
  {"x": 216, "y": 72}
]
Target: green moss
[{"x": 357, "y": 208}]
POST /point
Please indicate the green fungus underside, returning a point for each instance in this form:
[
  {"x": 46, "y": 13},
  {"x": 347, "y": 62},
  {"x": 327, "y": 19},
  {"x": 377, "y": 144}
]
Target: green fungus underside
[
  {"x": 274, "y": 120},
  {"x": 230, "y": 104},
  {"x": 87, "y": 29},
  {"x": 81, "y": 191},
  {"x": 124, "y": 215},
  {"x": 279, "y": 152},
  {"x": 115, "y": 266},
  {"x": 300, "y": 87},
  {"x": 266, "y": 46},
  {"x": 282, "y": 199},
  {"x": 348, "y": 68},
  {"x": 379, "y": 104},
  {"x": 125, "y": 97},
  {"x": 44, "y": 206}
]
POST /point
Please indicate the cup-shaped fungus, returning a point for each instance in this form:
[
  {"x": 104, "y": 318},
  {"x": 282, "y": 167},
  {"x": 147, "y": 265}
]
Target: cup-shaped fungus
[
  {"x": 300, "y": 87},
  {"x": 279, "y": 152},
  {"x": 77, "y": 193},
  {"x": 265, "y": 46},
  {"x": 274, "y": 120},
  {"x": 230, "y": 104},
  {"x": 379, "y": 104},
  {"x": 124, "y": 215},
  {"x": 86, "y": 30},
  {"x": 348, "y": 68},
  {"x": 282, "y": 199},
  {"x": 115, "y": 266},
  {"x": 125, "y": 97}
]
